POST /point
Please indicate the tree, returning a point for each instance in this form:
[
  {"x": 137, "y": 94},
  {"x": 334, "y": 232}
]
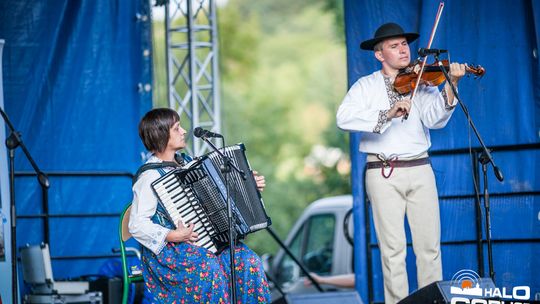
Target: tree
[{"x": 283, "y": 74}]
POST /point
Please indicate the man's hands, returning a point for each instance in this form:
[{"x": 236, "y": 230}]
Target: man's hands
[
  {"x": 457, "y": 70},
  {"x": 399, "y": 109},
  {"x": 183, "y": 234},
  {"x": 402, "y": 107},
  {"x": 316, "y": 277}
]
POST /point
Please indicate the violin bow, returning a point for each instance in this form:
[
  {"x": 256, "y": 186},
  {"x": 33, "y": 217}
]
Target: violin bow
[{"x": 424, "y": 60}]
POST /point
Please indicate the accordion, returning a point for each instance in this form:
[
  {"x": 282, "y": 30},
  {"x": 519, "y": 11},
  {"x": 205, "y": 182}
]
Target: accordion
[{"x": 197, "y": 193}]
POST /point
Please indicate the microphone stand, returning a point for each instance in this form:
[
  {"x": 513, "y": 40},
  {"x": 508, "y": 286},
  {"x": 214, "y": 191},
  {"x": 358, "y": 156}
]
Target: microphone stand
[
  {"x": 13, "y": 141},
  {"x": 484, "y": 159},
  {"x": 295, "y": 259},
  {"x": 225, "y": 169}
]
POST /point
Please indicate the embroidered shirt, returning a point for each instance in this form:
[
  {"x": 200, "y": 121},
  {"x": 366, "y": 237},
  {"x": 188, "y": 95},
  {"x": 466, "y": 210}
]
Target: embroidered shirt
[{"x": 365, "y": 109}]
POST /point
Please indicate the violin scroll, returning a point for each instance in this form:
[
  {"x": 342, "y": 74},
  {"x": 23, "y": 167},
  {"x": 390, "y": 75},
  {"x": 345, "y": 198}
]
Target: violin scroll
[{"x": 478, "y": 71}]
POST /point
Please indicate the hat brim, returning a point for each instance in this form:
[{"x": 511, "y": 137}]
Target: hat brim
[{"x": 368, "y": 45}]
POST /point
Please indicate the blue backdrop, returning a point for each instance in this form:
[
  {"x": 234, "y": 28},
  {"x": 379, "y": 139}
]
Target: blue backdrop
[
  {"x": 77, "y": 78},
  {"x": 505, "y": 106},
  {"x": 74, "y": 78}
]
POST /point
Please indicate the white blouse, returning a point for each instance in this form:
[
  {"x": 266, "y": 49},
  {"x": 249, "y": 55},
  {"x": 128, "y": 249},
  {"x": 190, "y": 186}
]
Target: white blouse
[{"x": 144, "y": 206}]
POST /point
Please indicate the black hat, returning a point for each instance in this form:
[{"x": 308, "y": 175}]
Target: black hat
[{"x": 385, "y": 31}]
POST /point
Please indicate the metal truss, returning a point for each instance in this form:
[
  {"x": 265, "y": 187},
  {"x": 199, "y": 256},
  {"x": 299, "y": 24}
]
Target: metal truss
[{"x": 192, "y": 67}]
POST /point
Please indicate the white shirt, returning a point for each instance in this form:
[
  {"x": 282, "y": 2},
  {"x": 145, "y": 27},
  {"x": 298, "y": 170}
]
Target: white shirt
[
  {"x": 143, "y": 207},
  {"x": 364, "y": 109}
]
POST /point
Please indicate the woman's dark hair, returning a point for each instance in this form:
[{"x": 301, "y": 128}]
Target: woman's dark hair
[{"x": 155, "y": 126}]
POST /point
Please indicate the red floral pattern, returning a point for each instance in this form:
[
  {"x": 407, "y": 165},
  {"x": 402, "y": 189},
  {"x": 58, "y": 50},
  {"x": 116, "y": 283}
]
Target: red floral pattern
[{"x": 184, "y": 273}]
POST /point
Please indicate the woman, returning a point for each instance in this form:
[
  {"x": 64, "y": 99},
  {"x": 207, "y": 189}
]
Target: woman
[{"x": 174, "y": 269}]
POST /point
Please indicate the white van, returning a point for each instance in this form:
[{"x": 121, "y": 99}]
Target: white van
[{"x": 319, "y": 240}]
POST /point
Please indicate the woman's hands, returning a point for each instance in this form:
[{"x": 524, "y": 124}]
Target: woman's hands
[
  {"x": 186, "y": 234},
  {"x": 259, "y": 180},
  {"x": 183, "y": 234}
]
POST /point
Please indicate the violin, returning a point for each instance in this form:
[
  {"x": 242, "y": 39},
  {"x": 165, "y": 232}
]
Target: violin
[{"x": 432, "y": 75}]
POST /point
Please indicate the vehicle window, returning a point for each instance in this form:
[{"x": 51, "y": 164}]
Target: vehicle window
[
  {"x": 313, "y": 243},
  {"x": 319, "y": 244},
  {"x": 288, "y": 271}
]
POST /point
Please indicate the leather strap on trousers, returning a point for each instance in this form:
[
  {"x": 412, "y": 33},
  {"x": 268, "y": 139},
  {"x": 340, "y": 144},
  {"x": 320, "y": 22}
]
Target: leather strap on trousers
[{"x": 396, "y": 164}]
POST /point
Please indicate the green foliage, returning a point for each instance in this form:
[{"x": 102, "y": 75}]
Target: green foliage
[
  {"x": 283, "y": 75},
  {"x": 159, "y": 71}
]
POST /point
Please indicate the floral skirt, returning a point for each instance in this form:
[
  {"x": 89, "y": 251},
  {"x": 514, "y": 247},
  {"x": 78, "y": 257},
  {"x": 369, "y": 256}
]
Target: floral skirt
[
  {"x": 251, "y": 283},
  {"x": 184, "y": 273}
]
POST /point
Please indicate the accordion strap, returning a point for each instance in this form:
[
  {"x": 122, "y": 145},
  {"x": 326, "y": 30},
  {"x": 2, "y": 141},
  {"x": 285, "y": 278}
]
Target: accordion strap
[
  {"x": 180, "y": 159},
  {"x": 152, "y": 166}
]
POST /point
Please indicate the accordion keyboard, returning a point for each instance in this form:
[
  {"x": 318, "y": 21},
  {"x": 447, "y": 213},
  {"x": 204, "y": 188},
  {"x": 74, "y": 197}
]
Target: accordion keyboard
[{"x": 182, "y": 205}]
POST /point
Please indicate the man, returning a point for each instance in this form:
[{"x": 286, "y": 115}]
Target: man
[{"x": 399, "y": 177}]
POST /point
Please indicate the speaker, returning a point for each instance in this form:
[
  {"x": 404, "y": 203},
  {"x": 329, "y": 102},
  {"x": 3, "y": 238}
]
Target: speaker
[
  {"x": 111, "y": 288},
  {"x": 346, "y": 297},
  {"x": 442, "y": 292}
]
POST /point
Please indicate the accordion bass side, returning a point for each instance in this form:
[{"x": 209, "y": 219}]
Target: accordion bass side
[{"x": 196, "y": 193}]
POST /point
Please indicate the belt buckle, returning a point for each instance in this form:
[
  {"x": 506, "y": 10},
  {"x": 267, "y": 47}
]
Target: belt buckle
[{"x": 387, "y": 163}]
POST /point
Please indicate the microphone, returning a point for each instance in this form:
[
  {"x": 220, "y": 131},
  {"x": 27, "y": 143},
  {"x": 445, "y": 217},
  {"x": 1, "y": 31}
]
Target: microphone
[
  {"x": 200, "y": 132},
  {"x": 423, "y": 52}
]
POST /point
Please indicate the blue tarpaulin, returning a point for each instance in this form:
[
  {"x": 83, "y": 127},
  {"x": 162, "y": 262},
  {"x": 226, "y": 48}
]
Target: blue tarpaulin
[
  {"x": 77, "y": 79},
  {"x": 503, "y": 37},
  {"x": 75, "y": 85}
]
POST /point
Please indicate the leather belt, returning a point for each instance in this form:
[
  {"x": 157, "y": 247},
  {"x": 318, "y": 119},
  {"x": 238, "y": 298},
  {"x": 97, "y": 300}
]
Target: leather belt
[{"x": 396, "y": 164}]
